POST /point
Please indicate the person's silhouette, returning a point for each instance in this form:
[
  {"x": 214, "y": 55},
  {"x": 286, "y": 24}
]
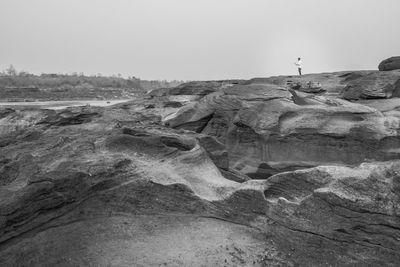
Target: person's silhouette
[{"x": 298, "y": 64}]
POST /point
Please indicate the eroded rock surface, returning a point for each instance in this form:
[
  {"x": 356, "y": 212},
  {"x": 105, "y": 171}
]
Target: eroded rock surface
[
  {"x": 150, "y": 183},
  {"x": 350, "y": 85},
  {"x": 374, "y": 85},
  {"x": 332, "y": 83},
  {"x": 357, "y": 208},
  {"x": 268, "y": 129}
]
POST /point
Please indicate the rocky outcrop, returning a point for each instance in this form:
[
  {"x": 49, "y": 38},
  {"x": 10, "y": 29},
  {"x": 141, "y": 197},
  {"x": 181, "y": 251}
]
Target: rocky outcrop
[
  {"x": 357, "y": 208},
  {"x": 373, "y": 86},
  {"x": 266, "y": 129},
  {"x": 331, "y": 83},
  {"x": 350, "y": 85},
  {"x": 117, "y": 186},
  {"x": 46, "y": 180},
  {"x": 308, "y": 87},
  {"x": 195, "y": 88},
  {"x": 392, "y": 63}
]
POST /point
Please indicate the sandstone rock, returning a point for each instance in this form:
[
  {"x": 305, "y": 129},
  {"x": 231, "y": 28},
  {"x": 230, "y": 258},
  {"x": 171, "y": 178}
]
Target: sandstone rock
[
  {"x": 308, "y": 87},
  {"x": 90, "y": 182},
  {"x": 264, "y": 132},
  {"x": 115, "y": 187},
  {"x": 392, "y": 63},
  {"x": 374, "y": 85},
  {"x": 233, "y": 175},
  {"x": 331, "y": 83},
  {"x": 383, "y": 105},
  {"x": 215, "y": 150},
  {"x": 355, "y": 207},
  {"x": 196, "y": 115},
  {"x": 72, "y": 161},
  {"x": 194, "y": 88}
]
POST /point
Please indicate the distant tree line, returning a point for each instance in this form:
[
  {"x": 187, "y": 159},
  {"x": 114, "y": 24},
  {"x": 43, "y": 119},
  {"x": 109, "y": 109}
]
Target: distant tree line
[{"x": 10, "y": 77}]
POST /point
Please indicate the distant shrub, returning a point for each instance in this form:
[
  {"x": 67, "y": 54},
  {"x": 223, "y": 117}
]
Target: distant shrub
[{"x": 11, "y": 78}]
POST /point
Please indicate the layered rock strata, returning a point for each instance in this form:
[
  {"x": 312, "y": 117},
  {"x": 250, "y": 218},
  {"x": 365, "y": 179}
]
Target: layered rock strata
[
  {"x": 268, "y": 129},
  {"x": 150, "y": 183}
]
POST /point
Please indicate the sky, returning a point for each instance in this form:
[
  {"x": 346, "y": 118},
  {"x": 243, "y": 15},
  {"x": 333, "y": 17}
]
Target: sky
[{"x": 197, "y": 39}]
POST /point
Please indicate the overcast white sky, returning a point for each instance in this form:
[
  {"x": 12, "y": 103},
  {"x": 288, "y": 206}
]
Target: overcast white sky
[{"x": 197, "y": 39}]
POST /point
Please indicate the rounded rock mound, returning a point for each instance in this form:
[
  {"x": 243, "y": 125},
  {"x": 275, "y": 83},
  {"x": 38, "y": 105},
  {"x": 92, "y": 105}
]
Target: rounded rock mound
[{"x": 392, "y": 63}]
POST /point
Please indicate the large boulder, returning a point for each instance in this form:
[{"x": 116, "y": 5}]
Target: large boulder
[{"x": 392, "y": 63}]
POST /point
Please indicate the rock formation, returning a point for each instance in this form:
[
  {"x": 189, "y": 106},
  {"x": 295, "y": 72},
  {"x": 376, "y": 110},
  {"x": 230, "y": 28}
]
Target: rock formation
[
  {"x": 374, "y": 85},
  {"x": 392, "y": 63},
  {"x": 267, "y": 129},
  {"x": 234, "y": 173}
]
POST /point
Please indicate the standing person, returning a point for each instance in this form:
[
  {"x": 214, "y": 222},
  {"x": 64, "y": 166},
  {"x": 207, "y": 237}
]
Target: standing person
[{"x": 298, "y": 64}]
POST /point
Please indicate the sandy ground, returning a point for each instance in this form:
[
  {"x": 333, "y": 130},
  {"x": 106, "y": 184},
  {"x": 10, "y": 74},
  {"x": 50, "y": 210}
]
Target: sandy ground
[{"x": 145, "y": 240}]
